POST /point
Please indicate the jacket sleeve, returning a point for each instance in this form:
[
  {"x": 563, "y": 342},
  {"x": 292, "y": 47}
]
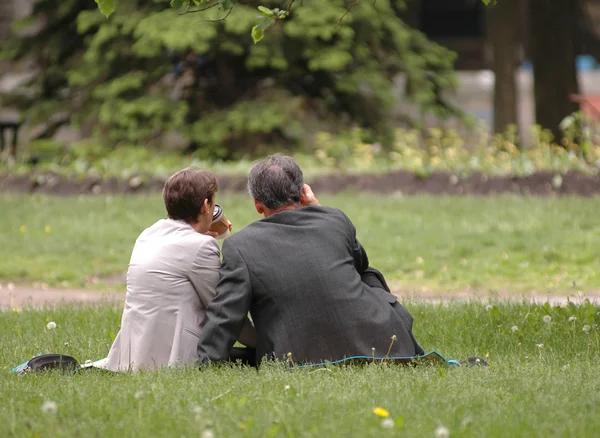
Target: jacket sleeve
[
  {"x": 204, "y": 272},
  {"x": 227, "y": 314},
  {"x": 361, "y": 260}
]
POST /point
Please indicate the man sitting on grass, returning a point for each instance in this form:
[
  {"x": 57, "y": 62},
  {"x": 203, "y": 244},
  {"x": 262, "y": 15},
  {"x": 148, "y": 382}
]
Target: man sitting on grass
[{"x": 304, "y": 278}]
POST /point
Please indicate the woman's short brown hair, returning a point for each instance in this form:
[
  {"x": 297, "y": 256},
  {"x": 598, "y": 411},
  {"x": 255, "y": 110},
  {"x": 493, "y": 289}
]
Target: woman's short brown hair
[{"x": 184, "y": 193}]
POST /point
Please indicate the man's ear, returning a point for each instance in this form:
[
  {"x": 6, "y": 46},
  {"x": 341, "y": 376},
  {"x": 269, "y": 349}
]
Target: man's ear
[{"x": 259, "y": 207}]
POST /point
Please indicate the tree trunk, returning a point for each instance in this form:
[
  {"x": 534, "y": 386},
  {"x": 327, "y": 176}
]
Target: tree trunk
[
  {"x": 553, "y": 57},
  {"x": 504, "y": 38}
]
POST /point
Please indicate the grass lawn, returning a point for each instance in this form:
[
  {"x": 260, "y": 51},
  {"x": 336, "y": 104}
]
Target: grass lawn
[
  {"x": 422, "y": 242},
  {"x": 542, "y": 381}
]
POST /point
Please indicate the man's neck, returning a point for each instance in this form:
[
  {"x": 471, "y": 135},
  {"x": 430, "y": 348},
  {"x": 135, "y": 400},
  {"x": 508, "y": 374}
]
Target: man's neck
[{"x": 269, "y": 212}]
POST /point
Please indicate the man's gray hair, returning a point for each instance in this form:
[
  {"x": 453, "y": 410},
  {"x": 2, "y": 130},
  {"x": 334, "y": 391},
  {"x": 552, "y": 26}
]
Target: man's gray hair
[{"x": 276, "y": 182}]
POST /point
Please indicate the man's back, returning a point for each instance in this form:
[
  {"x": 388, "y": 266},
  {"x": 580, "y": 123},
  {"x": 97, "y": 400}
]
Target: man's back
[{"x": 302, "y": 270}]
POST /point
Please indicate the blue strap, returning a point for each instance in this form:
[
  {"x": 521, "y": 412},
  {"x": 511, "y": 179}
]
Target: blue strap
[{"x": 432, "y": 353}]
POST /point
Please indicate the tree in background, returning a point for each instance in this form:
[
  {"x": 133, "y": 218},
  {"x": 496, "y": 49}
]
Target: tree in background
[
  {"x": 147, "y": 71},
  {"x": 503, "y": 34},
  {"x": 553, "y": 52}
]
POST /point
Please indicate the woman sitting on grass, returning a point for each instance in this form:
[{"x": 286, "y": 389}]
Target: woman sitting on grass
[{"x": 172, "y": 276}]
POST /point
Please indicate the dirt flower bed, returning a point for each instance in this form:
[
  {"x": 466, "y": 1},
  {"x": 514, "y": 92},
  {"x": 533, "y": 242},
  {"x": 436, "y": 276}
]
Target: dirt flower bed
[{"x": 401, "y": 182}]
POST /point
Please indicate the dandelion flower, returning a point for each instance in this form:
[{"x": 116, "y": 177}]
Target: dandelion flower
[
  {"x": 489, "y": 307},
  {"x": 442, "y": 432},
  {"x": 23, "y": 229},
  {"x": 48, "y": 229},
  {"x": 572, "y": 318},
  {"x": 138, "y": 395},
  {"x": 540, "y": 346},
  {"x": 51, "y": 325},
  {"x": 388, "y": 423},
  {"x": 381, "y": 413},
  {"x": 514, "y": 328},
  {"x": 586, "y": 328},
  {"x": 16, "y": 310},
  {"x": 547, "y": 319},
  {"x": 49, "y": 407}
]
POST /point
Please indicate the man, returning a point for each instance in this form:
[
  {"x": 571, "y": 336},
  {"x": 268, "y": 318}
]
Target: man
[{"x": 305, "y": 280}]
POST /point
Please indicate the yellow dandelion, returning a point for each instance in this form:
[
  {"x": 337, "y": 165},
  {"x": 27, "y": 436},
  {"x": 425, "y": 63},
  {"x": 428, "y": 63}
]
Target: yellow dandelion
[
  {"x": 23, "y": 229},
  {"x": 16, "y": 310},
  {"x": 47, "y": 228},
  {"x": 242, "y": 426},
  {"x": 381, "y": 413}
]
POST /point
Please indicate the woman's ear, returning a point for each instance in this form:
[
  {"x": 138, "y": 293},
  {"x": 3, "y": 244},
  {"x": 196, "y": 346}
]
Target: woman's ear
[{"x": 205, "y": 207}]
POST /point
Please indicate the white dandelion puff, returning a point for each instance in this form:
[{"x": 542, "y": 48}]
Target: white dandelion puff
[
  {"x": 138, "y": 395},
  {"x": 586, "y": 328},
  {"x": 51, "y": 325},
  {"x": 487, "y": 309},
  {"x": 49, "y": 407},
  {"x": 442, "y": 432},
  {"x": 388, "y": 423},
  {"x": 514, "y": 328},
  {"x": 572, "y": 318},
  {"x": 208, "y": 434}
]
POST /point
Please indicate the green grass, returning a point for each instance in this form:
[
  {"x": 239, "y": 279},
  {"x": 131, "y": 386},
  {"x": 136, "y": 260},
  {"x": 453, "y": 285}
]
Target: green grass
[
  {"x": 423, "y": 242},
  {"x": 528, "y": 390}
]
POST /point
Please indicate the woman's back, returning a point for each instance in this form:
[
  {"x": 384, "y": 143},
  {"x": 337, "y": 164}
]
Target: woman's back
[{"x": 172, "y": 276}]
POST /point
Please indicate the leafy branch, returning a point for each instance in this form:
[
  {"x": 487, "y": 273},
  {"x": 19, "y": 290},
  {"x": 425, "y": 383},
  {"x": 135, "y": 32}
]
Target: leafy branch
[{"x": 267, "y": 19}]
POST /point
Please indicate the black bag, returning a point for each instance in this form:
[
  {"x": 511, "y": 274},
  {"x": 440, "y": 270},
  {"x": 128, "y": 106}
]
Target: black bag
[{"x": 48, "y": 362}]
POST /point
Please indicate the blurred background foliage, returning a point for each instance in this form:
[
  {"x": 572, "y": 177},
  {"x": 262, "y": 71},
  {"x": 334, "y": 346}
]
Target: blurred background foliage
[{"x": 150, "y": 77}]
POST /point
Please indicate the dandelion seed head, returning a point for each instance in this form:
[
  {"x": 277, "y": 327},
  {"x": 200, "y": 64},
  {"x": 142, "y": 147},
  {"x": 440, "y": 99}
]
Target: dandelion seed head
[
  {"x": 442, "y": 432},
  {"x": 138, "y": 395},
  {"x": 489, "y": 307},
  {"x": 51, "y": 325},
  {"x": 208, "y": 434},
  {"x": 572, "y": 318},
  {"x": 540, "y": 345},
  {"x": 547, "y": 318},
  {"x": 388, "y": 423},
  {"x": 286, "y": 387},
  {"x": 514, "y": 328},
  {"x": 49, "y": 407},
  {"x": 198, "y": 410},
  {"x": 394, "y": 337},
  {"x": 586, "y": 328}
]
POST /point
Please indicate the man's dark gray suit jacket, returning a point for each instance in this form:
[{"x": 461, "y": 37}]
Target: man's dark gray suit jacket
[{"x": 298, "y": 272}]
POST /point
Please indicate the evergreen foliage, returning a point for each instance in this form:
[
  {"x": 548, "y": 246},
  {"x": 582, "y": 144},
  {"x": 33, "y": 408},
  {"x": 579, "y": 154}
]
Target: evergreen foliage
[{"x": 150, "y": 69}]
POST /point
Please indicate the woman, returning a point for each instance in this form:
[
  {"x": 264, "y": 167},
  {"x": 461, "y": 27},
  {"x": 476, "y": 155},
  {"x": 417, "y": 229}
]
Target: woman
[{"x": 172, "y": 276}]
